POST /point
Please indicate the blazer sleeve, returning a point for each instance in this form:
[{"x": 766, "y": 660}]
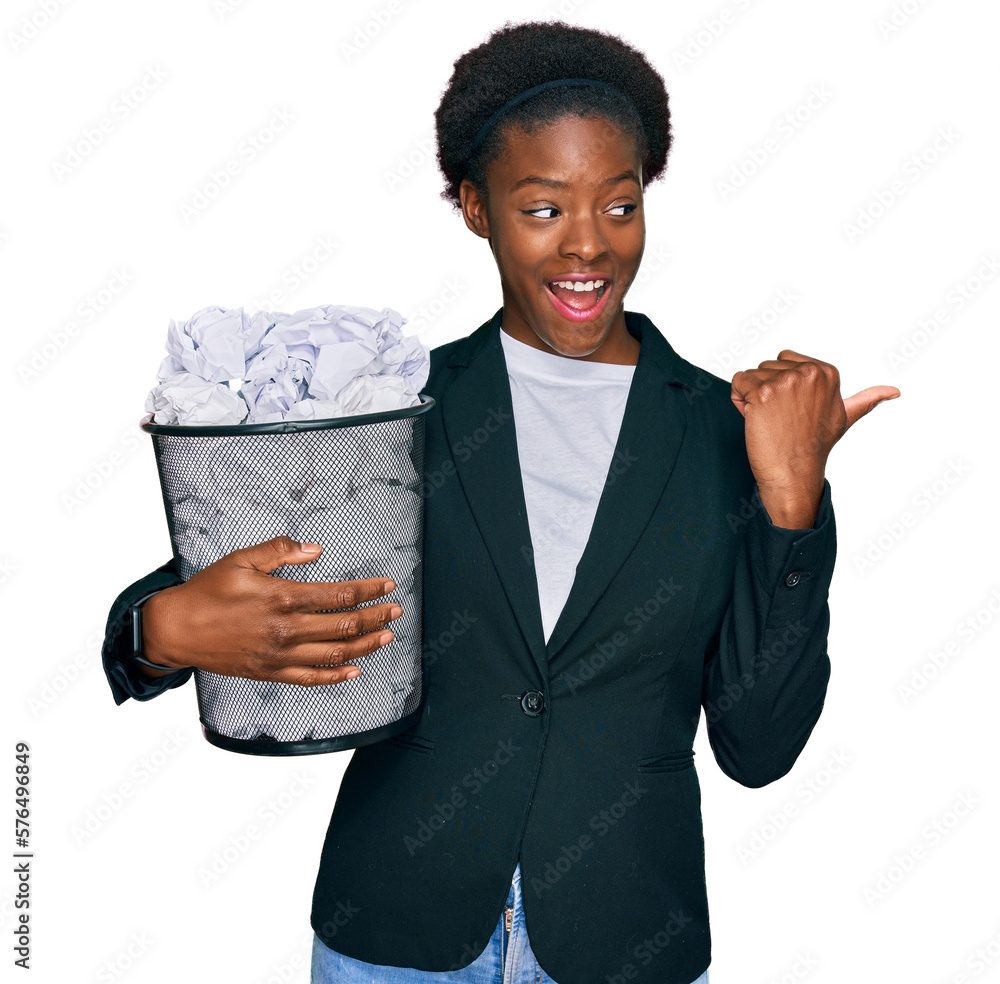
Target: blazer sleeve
[
  {"x": 765, "y": 682},
  {"x": 124, "y": 675}
]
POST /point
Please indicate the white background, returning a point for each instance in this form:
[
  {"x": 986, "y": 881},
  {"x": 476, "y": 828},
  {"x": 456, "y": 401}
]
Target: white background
[{"x": 83, "y": 515}]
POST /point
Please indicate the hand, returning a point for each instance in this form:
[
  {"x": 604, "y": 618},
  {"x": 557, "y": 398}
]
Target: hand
[
  {"x": 233, "y": 618},
  {"x": 794, "y": 415}
]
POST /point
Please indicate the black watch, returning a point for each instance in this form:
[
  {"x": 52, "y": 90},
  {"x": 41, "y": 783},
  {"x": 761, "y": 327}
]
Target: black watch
[{"x": 135, "y": 618}]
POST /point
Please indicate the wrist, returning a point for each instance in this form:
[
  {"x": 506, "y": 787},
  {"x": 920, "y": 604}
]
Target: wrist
[
  {"x": 154, "y": 618},
  {"x": 791, "y": 508}
]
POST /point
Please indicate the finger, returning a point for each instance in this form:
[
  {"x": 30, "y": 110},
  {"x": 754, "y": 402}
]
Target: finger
[
  {"x": 314, "y": 676},
  {"x": 323, "y": 596},
  {"x": 744, "y": 383},
  {"x": 274, "y": 553},
  {"x": 864, "y": 402},
  {"x": 337, "y": 652},
  {"x": 790, "y": 355},
  {"x": 343, "y": 625}
]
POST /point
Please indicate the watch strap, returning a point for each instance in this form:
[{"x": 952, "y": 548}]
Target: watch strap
[{"x": 135, "y": 612}]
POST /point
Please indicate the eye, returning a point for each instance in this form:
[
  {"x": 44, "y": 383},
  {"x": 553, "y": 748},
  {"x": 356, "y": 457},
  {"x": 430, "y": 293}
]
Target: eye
[
  {"x": 629, "y": 207},
  {"x": 545, "y": 208}
]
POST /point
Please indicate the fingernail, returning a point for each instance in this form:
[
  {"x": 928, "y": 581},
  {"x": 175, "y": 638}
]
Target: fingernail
[
  {"x": 384, "y": 638},
  {"x": 310, "y": 547},
  {"x": 395, "y": 611},
  {"x": 387, "y": 586}
]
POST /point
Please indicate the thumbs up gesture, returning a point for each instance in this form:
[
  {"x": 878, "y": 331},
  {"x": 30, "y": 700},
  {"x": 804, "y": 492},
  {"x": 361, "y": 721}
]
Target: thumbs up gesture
[{"x": 794, "y": 415}]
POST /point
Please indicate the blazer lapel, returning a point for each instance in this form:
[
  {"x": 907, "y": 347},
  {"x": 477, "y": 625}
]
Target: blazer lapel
[
  {"x": 652, "y": 430},
  {"x": 478, "y": 419}
]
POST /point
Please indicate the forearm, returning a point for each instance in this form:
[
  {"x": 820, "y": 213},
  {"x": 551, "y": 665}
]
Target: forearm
[
  {"x": 764, "y": 686},
  {"x": 126, "y": 676}
]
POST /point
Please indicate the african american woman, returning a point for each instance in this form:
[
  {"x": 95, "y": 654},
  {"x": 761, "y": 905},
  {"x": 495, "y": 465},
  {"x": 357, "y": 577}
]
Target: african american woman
[{"x": 637, "y": 540}]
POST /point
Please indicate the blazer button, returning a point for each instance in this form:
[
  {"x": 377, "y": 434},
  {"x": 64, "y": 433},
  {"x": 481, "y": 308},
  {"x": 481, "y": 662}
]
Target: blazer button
[
  {"x": 533, "y": 703},
  {"x": 793, "y": 579}
]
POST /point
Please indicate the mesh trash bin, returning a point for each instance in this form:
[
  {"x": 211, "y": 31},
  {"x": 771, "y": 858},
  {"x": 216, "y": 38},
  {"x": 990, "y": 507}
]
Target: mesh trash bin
[{"x": 351, "y": 484}]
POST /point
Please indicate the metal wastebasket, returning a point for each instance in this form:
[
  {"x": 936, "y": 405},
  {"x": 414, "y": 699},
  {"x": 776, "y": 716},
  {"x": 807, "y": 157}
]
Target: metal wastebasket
[{"x": 352, "y": 484}]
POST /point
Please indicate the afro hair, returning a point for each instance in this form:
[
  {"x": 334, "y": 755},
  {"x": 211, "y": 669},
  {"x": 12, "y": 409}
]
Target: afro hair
[{"x": 518, "y": 57}]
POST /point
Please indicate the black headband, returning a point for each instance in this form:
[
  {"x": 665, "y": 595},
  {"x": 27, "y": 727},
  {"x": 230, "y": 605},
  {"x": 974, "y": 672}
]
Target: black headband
[{"x": 521, "y": 97}]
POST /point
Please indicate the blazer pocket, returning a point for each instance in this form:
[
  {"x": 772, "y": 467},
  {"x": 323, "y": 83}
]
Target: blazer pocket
[
  {"x": 668, "y": 762},
  {"x": 415, "y": 743}
]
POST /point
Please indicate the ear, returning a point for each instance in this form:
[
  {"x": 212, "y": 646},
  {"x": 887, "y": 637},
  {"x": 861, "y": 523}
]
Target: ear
[{"x": 474, "y": 209}]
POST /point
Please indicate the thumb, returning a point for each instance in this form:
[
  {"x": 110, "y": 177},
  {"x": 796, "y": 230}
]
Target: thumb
[
  {"x": 274, "y": 553},
  {"x": 864, "y": 402}
]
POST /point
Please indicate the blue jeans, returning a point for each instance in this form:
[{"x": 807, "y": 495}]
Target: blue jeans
[{"x": 507, "y": 959}]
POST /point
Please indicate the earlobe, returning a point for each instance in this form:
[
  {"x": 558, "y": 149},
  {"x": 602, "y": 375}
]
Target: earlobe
[{"x": 474, "y": 209}]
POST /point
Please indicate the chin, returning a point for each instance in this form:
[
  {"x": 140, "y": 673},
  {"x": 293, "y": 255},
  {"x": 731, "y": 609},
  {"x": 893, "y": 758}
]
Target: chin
[{"x": 575, "y": 343}]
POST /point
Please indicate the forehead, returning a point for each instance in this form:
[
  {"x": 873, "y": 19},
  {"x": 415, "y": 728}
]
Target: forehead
[{"x": 572, "y": 149}]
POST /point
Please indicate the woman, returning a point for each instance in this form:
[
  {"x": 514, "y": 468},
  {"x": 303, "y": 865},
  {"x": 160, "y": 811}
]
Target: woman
[{"x": 622, "y": 549}]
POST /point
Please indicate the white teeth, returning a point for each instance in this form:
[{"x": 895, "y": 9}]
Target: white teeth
[{"x": 579, "y": 284}]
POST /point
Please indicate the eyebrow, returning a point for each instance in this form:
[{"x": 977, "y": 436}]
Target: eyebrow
[{"x": 629, "y": 175}]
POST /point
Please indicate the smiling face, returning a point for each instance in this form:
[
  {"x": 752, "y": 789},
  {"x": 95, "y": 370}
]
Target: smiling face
[{"x": 563, "y": 206}]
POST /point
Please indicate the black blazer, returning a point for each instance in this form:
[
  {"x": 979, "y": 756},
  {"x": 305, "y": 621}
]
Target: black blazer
[{"x": 576, "y": 756}]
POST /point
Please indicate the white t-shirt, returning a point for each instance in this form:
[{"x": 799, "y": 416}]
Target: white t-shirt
[{"x": 567, "y": 415}]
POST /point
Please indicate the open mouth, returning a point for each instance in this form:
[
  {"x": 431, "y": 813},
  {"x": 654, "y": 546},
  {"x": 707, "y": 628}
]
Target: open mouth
[{"x": 579, "y": 300}]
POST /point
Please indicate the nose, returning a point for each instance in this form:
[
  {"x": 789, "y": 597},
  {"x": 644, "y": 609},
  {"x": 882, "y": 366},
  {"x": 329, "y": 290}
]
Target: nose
[{"x": 582, "y": 238}]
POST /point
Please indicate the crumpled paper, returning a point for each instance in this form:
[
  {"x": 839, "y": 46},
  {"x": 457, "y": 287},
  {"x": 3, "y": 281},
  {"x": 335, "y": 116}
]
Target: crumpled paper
[
  {"x": 215, "y": 344},
  {"x": 342, "y": 359},
  {"x": 186, "y": 399}
]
